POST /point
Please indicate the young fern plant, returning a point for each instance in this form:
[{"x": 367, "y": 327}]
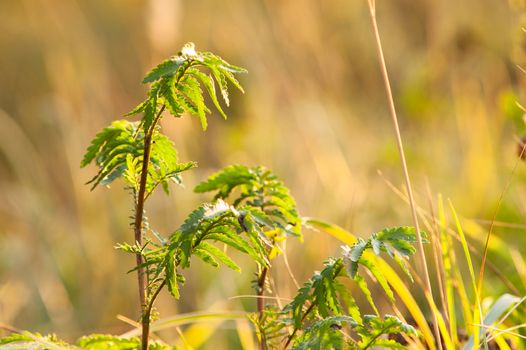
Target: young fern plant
[
  {"x": 325, "y": 315},
  {"x": 260, "y": 189},
  {"x": 140, "y": 154}
]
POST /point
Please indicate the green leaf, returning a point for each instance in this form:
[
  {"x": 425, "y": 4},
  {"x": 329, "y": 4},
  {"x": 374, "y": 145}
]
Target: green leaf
[
  {"x": 205, "y": 256},
  {"x": 171, "y": 275},
  {"x": 102, "y": 138},
  {"x": 33, "y": 341},
  {"x": 374, "y": 327},
  {"x": 212, "y": 60},
  {"x": 109, "y": 150},
  {"x": 216, "y": 252},
  {"x": 164, "y": 163},
  {"x": 118, "y": 151},
  {"x": 150, "y": 111},
  {"x": 320, "y": 291},
  {"x": 501, "y": 305},
  {"x": 125, "y": 247},
  {"x": 232, "y": 78},
  {"x": 397, "y": 242},
  {"x": 400, "y": 238},
  {"x": 192, "y": 222},
  {"x": 377, "y": 273},
  {"x": 300, "y": 300},
  {"x": 225, "y": 180},
  {"x": 190, "y": 89},
  {"x": 109, "y": 342},
  {"x": 325, "y": 334},
  {"x": 222, "y": 82},
  {"x": 113, "y": 342},
  {"x": 15, "y": 337},
  {"x": 360, "y": 281},
  {"x": 232, "y": 239},
  {"x": 388, "y": 344},
  {"x": 167, "y": 67},
  {"x": 222, "y": 72},
  {"x": 356, "y": 251},
  {"x": 170, "y": 98},
  {"x": 208, "y": 82},
  {"x": 138, "y": 109},
  {"x": 261, "y": 192}
]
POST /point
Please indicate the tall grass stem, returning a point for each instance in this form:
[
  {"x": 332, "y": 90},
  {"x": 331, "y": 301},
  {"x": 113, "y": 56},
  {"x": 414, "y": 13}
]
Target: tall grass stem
[{"x": 392, "y": 109}]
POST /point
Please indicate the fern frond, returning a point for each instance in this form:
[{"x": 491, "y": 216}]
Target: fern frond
[
  {"x": 396, "y": 242},
  {"x": 176, "y": 83},
  {"x": 167, "y": 67},
  {"x": 109, "y": 150},
  {"x": 218, "y": 253},
  {"x": 118, "y": 151},
  {"x": 258, "y": 188},
  {"x": 190, "y": 89},
  {"x": 209, "y": 85},
  {"x": 34, "y": 341},
  {"x": 206, "y": 224},
  {"x": 112, "y": 342},
  {"x": 373, "y": 327},
  {"x": 327, "y": 333}
]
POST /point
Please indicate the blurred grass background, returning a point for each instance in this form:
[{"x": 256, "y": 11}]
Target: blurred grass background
[{"x": 314, "y": 111}]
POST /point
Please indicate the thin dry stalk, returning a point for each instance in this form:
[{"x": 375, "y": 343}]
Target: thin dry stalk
[
  {"x": 383, "y": 67},
  {"x": 490, "y": 230}
]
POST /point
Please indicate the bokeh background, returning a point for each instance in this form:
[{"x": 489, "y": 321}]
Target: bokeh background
[{"x": 314, "y": 111}]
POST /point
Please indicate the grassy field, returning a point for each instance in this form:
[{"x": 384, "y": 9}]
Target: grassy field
[{"x": 314, "y": 111}]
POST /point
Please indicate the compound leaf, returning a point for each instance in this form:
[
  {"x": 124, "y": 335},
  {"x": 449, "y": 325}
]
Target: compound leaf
[{"x": 167, "y": 67}]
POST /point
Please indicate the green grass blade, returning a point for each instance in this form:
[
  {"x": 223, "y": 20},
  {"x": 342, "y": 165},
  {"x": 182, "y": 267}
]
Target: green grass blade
[
  {"x": 333, "y": 230},
  {"x": 447, "y": 258},
  {"x": 495, "y": 312},
  {"x": 246, "y": 335},
  {"x": 410, "y": 303},
  {"x": 477, "y": 313}
]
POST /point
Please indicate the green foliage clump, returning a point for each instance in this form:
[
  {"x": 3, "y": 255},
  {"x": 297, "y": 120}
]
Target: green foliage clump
[
  {"x": 33, "y": 341},
  {"x": 118, "y": 152},
  {"x": 252, "y": 211},
  {"x": 324, "y": 314},
  {"x": 111, "y": 342}
]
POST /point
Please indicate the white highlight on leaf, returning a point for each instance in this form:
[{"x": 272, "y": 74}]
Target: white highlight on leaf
[{"x": 214, "y": 210}]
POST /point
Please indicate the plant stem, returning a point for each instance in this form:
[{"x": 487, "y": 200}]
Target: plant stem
[
  {"x": 261, "y": 290},
  {"x": 291, "y": 336},
  {"x": 146, "y": 316},
  {"x": 261, "y": 303},
  {"x": 139, "y": 215},
  {"x": 392, "y": 109},
  {"x": 311, "y": 306}
]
